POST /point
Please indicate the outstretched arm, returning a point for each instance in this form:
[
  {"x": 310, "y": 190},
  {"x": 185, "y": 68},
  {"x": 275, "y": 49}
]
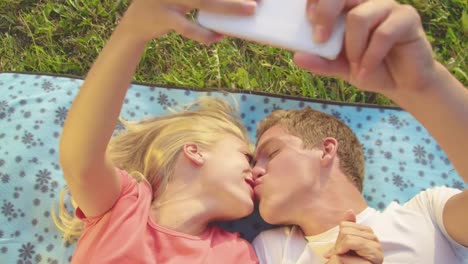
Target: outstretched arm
[
  {"x": 91, "y": 120},
  {"x": 94, "y": 113},
  {"x": 386, "y": 51}
]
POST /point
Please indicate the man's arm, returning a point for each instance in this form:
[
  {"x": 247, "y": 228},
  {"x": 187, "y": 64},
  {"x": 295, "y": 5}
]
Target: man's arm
[
  {"x": 443, "y": 110},
  {"x": 456, "y": 216},
  {"x": 386, "y": 51}
]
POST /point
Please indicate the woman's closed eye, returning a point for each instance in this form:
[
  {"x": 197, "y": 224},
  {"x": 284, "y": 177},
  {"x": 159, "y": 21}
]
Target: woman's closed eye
[{"x": 249, "y": 157}]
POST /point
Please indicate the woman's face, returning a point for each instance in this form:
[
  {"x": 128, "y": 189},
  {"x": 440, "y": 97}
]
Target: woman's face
[{"x": 227, "y": 176}]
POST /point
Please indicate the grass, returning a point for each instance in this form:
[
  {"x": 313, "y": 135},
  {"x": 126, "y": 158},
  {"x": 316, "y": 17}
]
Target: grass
[{"x": 65, "y": 36}]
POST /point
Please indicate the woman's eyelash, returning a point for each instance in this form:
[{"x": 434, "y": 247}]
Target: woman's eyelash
[{"x": 249, "y": 157}]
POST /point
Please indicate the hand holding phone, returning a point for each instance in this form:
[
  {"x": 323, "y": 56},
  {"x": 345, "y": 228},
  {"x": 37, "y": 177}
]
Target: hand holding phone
[{"x": 279, "y": 23}]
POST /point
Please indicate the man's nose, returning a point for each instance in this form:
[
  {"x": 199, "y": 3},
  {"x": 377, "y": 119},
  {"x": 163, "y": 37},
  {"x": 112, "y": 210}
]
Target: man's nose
[{"x": 258, "y": 171}]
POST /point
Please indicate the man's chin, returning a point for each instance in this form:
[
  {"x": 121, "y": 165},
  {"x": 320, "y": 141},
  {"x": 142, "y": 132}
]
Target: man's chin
[{"x": 271, "y": 216}]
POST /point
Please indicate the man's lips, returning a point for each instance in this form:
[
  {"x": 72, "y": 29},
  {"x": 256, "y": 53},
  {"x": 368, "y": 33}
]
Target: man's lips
[
  {"x": 258, "y": 181},
  {"x": 257, "y": 188}
]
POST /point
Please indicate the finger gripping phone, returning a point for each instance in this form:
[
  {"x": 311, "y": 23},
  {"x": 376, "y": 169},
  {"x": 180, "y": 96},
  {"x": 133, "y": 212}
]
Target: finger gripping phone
[{"x": 279, "y": 23}]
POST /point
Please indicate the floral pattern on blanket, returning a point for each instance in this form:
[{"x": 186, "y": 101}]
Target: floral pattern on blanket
[{"x": 401, "y": 157}]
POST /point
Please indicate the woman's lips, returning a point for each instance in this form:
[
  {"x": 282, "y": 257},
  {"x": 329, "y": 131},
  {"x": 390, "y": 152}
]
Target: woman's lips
[{"x": 251, "y": 182}]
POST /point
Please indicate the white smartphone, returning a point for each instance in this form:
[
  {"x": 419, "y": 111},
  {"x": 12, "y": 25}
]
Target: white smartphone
[{"x": 280, "y": 23}]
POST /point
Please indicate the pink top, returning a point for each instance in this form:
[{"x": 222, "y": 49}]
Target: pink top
[{"x": 126, "y": 234}]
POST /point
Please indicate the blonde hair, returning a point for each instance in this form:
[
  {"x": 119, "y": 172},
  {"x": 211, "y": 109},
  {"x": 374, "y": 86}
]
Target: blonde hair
[
  {"x": 312, "y": 126},
  {"x": 148, "y": 148}
]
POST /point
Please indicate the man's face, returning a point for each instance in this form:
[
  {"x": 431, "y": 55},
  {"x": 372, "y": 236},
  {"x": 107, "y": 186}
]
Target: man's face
[{"x": 285, "y": 173}]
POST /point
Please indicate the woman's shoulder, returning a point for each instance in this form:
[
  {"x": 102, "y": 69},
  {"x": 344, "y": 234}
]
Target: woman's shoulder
[{"x": 130, "y": 180}]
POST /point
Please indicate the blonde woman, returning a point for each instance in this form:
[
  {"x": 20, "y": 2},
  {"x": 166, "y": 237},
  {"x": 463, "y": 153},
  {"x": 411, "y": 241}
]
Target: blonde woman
[
  {"x": 187, "y": 181},
  {"x": 149, "y": 194},
  {"x": 181, "y": 182}
]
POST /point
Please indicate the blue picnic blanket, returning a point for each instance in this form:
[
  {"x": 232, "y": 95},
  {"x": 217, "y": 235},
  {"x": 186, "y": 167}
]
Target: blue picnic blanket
[{"x": 401, "y": 157}]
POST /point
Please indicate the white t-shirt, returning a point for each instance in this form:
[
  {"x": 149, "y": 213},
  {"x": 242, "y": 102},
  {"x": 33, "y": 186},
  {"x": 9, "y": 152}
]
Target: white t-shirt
[{"x": 409, "y": 233}]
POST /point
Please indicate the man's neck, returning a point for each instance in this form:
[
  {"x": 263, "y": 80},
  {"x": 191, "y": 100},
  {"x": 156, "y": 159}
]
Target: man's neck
[{"x": 323, "y": 212}]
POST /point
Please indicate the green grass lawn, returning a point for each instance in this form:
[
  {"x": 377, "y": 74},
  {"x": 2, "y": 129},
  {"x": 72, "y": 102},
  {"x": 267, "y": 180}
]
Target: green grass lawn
[{"x": 65, "y": 36}]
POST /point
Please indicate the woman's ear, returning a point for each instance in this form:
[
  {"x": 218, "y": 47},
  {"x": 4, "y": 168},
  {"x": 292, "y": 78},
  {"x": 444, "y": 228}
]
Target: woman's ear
[
  {"x": 193, "y": 153},
  {"x": 329, "y": 151}
]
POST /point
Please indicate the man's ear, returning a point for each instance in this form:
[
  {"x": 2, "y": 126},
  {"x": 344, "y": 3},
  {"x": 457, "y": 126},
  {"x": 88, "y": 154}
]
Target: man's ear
[
  {"x": 329, "y": 148},
  {"x": 193, "y": 153}
]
